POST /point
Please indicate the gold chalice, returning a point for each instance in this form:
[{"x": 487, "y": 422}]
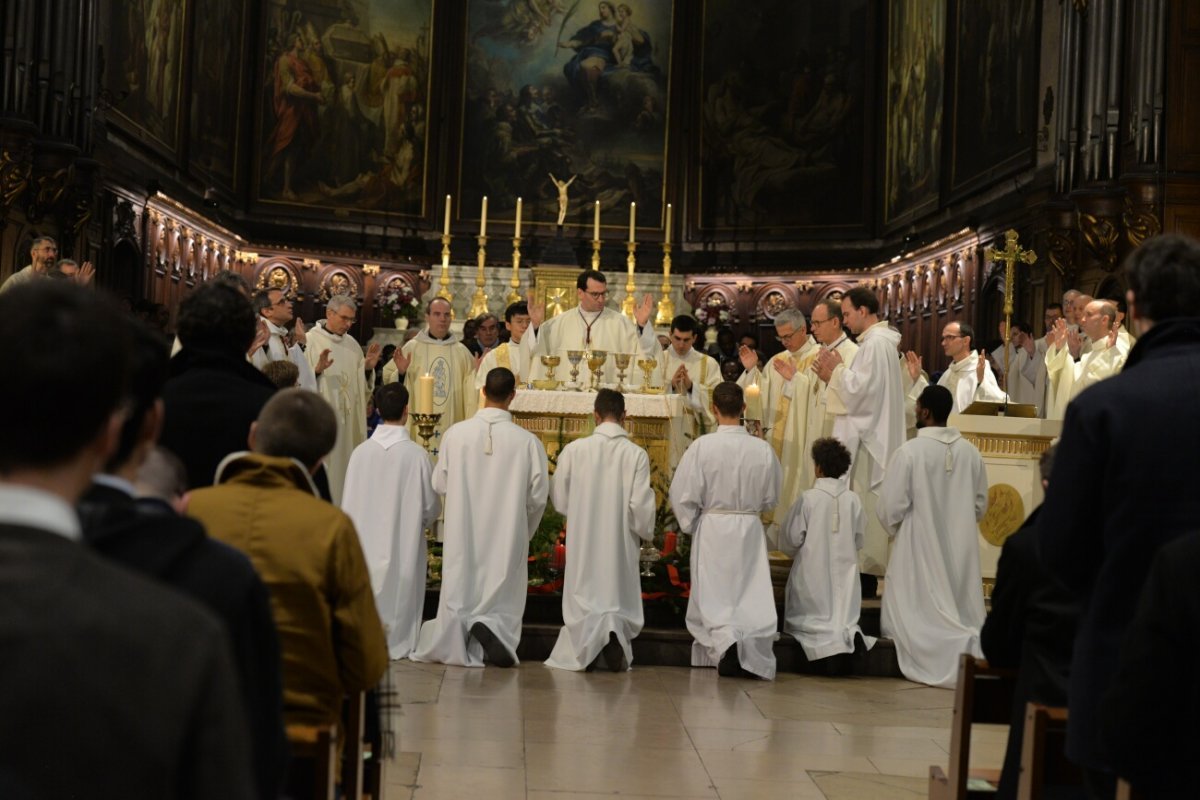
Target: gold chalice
[
  {"x": 648, "y": 366},
  {"x": 549, "y": 362},
  {"x": 596, "y": 359},
  {"x": 622, "y": 361},
  {"x": 574, "y": 357}
]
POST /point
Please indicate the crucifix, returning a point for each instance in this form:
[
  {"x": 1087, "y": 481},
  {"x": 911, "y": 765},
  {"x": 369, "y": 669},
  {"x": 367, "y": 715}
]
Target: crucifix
[{"x": 1010, "y": 255}]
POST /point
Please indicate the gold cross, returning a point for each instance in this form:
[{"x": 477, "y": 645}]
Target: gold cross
[{"x": 1010, "y": 255}]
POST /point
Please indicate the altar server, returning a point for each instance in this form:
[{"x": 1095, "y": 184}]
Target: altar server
[
  {"x": 932, "y": 498},
  {"x": 389, "y": 496},
  {"x": 723, "y": 483},
  {"x": 824, "y": 532},
  {"x": 602, "y": 484},
  {"x": 492, "y": 473},
  {"x": 508, "y": 355}
]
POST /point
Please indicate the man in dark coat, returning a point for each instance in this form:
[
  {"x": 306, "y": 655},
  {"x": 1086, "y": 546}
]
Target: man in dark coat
[{"x": 1119, "y": 491}]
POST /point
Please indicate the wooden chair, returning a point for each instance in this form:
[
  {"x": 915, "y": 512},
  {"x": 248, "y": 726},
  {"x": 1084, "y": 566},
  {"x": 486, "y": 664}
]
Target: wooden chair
[
  {"x": 983, "y": 695},
  {"x": 1043, "y": 752},
  {"x": 318, "y": 744}
]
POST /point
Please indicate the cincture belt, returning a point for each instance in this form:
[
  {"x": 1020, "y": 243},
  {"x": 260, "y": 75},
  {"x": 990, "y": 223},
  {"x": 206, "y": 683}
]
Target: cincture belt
[{"x": 730, "y": 512}]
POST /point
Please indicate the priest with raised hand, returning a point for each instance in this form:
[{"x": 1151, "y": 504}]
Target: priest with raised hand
[
  {"x": 591, "y": 325},
  {"x": 344, "y": 377},
  {"x": 689, "y": 373},
  {"x": 493, "y": 476},
  {"x": 790, "y": 404},
  {"x": 932, "y": 498},
  {"x": 1104, "y": 356},
  {"x": 969, "y": 376},
  {"x": 722, "y": 484},
  {"x": 274, "y": 311},
  {"x": 437, "y": 352},
  {"x": 389, "y": 496},
  {"x": 602, "y": 484},
  {"x": 509, "y": 354},
  {"x": 873, "y": 426}
]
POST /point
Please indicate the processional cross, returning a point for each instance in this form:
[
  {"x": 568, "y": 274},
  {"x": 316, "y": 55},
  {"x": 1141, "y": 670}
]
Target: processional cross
[{"x": 1010, "y": 255}]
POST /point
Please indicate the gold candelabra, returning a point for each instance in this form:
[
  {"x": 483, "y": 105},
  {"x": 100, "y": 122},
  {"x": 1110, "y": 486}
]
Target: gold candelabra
[
  {"x": 479, "y": 301},
  {"x": 596, "y": 254},
  {"x": 444, "y": 279},
  {"x": 426, "y": 425},
  {"x": 628, "y": 304},
  {"x": 514, "y": 296},
  {"x": 666, "y": 306}
]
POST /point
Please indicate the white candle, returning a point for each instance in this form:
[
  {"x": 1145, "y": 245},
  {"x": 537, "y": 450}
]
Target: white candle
[
  {"x": 753, "y": 402},
  {"x": 425, "y": 394},
  {"x": 446, "y": 225},
  {"x": 596, "y": 223},
  {"x": 518, "y": 233},
  {"x": 632, "y": 221},
  {"x": 483, "y": 218},
  {"x": 667, "y": 230}
]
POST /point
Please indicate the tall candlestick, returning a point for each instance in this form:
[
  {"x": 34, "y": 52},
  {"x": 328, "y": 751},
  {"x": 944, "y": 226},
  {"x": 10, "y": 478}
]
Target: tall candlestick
[
  {"x": 632, "y": 222},
  {"x": 425, "y": 394},
  {"x": 517, "y": 235},
  {"x": 667, "y": 230},
  {"x": 446, "y": 225},
  {"x": 596, "y": 223},
  {"x": 483, "y": 218}
]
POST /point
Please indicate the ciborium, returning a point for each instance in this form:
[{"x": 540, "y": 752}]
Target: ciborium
[
  {"x": 549, "y": 362},
  {"x": 648, "y": 556},
  {"x": 574, "y": 358},
  {"x": 426, "y": 425},
  {"x": 595, "y": 361},
  {"x": 622, "y": 361},
  {"x": 647, "y": 366}
]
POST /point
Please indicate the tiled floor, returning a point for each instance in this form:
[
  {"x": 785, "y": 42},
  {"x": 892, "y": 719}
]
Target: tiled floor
[{"x": 665, "y": 732}]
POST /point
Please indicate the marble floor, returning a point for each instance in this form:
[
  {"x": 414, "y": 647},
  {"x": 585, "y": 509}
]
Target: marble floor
[{"x": 666, "y": 732}]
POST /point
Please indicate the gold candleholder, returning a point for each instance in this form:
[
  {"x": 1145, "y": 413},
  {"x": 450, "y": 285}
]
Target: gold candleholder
[
  {"x": 595, "y": 362},
  {"x": 514, "y": 296},
  {"x": 596, "y": 254},
  {"x": 444, "y": 280},
  {"x": 622, "y": 361},
  {"x": 480, "y": 299},
  {"x": 666, "y": 306},
  {"x": 426, "y": 425},
  {"x": 647, "y": 366},
  {"x": 628, "y": 304},
  {"x": 574, "y": 358}
]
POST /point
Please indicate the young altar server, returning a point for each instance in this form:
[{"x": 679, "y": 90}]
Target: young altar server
[
  {"x": 389, "y": 496},
  {"x": 723, "y": 483},
  {"x": 492, "y": 473},
  {"x": 824, "y": 532},
  {"x": 932, "y": 497},
  {"x": 602, "y": 484}
]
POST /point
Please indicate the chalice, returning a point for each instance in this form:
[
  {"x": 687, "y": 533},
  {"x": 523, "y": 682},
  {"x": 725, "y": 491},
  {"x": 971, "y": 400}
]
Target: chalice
[
  {"x": 549, "y": 362},
  {"x": 647, "y": 366},
  {"x": 596, "y": 359},
  {"x": 574, "y": 357},
  {"x": 647, "y": 556},
  {"x": 622, "y": 361}
]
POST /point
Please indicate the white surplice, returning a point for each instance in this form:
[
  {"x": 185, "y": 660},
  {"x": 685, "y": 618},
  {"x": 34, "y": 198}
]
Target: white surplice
[
  {"x": 1066, "y": 378},
  {"x": 492, "y": 473},
  {"x": 575, "y": 329},
  {"x": 510, "y": 356},
  {"x": 389, "y": 496},
  {"x": 932, "y": 498},
  {"x": 276, "y": 349},
  {"x": 722, "y": 484},
  {"x": 452, "y": 367},
  {"x": 1019, "y": 383},
  {"x": 602, "y": 484},
  {"x": 871, "y": 390},
  {"x": 824, "y": 532},
  {"x": 965, "y": 388},
  {"x": 830, "y": 403},
  {"x": 345, "y": 385},
  {"x": 704, "y": 373}
]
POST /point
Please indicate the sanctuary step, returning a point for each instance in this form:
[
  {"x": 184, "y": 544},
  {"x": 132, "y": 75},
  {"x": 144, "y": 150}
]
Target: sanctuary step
[{"x": 664, "y": 641}]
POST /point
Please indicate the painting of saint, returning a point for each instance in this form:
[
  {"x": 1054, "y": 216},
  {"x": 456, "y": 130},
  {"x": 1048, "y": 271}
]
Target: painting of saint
[
  {"x": 913, "y": 140},
  {"x": 216, "y": 92},
  {"x": 996, "y": 90},
  {"x": 143, "y": 73},
  {"x": 783, "y": 118},
  {"x": 568, "y": 87},
  {"x": 344, "y": 103}
]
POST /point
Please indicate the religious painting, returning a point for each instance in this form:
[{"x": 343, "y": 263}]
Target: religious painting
[
  {"x": 566, "y": 88},
  {"x": 916, "y": 45},
  {"x": 144, "y": 67},
  {"x": 216, "y": 102},
  {"x": 345, "y": 98},
  {"x": 995, "y": 97}
]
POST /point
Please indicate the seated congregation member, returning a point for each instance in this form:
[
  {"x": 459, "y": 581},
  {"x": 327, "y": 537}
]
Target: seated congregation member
[
  {"x": 213, "y": 393},
  {"x": 933, "y": 494},
  {"x": 723, "y": 483},
  {"x": 824, "y": 532},
  {"x": 307, "y": 553},
  {"x": 176, "y": 551},
  {"x": 493, "y": 475},
  {"x": 389, "y": 496},
  {"x": 114, "y": 686},
  {"x": 1031, "y": 629},
  {"x": 602, "y": 484}
]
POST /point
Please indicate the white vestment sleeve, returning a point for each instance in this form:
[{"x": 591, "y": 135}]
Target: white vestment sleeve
[
  {"x": 642, "y": 506},
  {"x": 860, "y": 522},
  {"x": 687, "y": 491},
  {"x": 649, "y": 340},
  {"x": 431, "y": 506},
  {"x": 259, "y": 358},
  {"x": 981, "y": 491},
  {"x": 308, "y": 378},
  {"x": 440, "y": 473},
  {"x": 794, "y": 529},
  {"x": 895, "y": 500},
  {"x": 539, "y": 488},
  {"x": 560, "y": 481}
]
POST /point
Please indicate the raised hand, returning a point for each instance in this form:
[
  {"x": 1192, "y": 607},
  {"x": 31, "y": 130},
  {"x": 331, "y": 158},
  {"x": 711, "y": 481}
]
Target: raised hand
[
  {"x": 299, "y": 332},
  {"x": 980, "y": 367},
  {"x": 1111, "y": 339},
  {"x": 1074, "y": 342},
  {"x": 681, "y": 381},
  {"x": 1058, "y": 335},
  {"x": 642, "y": 312},
  {"x": 827, "y": 362},
  {"x": 748, "y": 357},
  {"x": 262, "y": 335},
  {"x": 324, "y": 362},
  {"x": 913, "y": 364},
  {"x": 401, "y": 361},
  {"x": 537, "y": 312},
  {"x": 86, "y": 273},
  {"x": 374, "y": 351},
  {"x": 785, "y": 368}
]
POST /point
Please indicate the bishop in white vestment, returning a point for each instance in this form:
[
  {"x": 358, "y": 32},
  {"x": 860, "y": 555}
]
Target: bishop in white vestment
[
  {"x": 932, "y": 498},
  {"x": 389, "y": 496},
  {"x": 722, "y": 484},
  {"x": 275, "y": 311},
  {"x": 493, "y": 475},
  {"x": 509, "y": 354},
  {"x": 602, "y": 484},
  {"x": 689, "y": 373},
  {"x": 344, "y": 378}
]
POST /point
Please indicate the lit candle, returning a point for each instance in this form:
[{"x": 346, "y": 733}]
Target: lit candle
[
  {"x": 518, "y": 233},
  {"x": 667, "y": 230},
  {"x": 669, "y": 541},
  {"x": 483, "y": 218},
  {"x": 446, "y": 226},
  {"x": 560, "y": 556},
  {"x": 425, "y": 394},
  {"x": 596, "y": 223},
  {"x": 753, "y": 402},
  {"x": 632, "y": 221}
]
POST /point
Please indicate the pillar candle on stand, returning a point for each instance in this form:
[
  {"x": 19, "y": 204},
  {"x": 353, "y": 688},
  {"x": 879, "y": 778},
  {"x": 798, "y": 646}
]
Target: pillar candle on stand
[
  {"x": 753, "y": 402},
  {"x": 424, "y": 394},
  {"x": 483, "y": 218},
  {"x": 446, "y": 225}
]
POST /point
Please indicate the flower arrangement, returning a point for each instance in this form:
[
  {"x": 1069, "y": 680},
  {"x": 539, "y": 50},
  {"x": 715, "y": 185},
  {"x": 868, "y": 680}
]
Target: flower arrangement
[
  {"x": 397, "y": 301},
  {"x": 712, "y": 316}
]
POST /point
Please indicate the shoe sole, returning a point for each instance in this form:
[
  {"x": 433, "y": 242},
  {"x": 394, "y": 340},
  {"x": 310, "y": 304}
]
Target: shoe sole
[
  {"x": 497, "y": 654},
  {"x": 614, "y": 655}
]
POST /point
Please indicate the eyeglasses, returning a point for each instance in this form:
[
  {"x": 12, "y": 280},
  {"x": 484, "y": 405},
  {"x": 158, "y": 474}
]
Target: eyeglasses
[
  {"x": 282, "y": 301},
  {"x": 597, "y": 295},
  {"x": 784, "y": 337},
  {"x": 952, "y": 336},
  {"x": 349, "y": 320},
  {"x": 820, "y": 321}
]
